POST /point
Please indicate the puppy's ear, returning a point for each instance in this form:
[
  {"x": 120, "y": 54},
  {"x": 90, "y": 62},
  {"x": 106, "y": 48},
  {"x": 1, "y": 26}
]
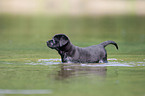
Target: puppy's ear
[{"x": 63, "y": 40}]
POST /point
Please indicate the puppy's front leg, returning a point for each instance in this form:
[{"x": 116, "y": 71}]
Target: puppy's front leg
[{"x": 63, "y": 56}]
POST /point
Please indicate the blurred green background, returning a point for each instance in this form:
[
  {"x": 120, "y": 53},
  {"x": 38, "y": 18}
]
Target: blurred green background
[{"x": 27, "y": 35}]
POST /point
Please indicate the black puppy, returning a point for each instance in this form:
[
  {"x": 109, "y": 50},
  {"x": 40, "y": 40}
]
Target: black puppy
[{"x": 74, "y": 54}]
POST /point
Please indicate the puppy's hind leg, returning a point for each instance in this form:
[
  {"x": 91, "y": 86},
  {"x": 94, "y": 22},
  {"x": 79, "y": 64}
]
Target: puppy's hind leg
[{"x": 105, "y": 59}]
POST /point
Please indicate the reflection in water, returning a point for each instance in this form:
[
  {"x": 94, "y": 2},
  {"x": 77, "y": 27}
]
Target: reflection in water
[{"x": 68, "y": 71}]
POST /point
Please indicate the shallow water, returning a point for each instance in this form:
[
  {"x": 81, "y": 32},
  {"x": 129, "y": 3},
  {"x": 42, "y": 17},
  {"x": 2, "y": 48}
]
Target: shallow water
[
  {"x": 50, "y": 76},
  {"x": 8, "y": 91},
  {"x": 112, "y": 62}
]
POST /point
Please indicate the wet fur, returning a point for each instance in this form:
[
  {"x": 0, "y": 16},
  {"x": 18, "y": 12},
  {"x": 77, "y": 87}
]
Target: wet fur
[{"x": 74, "y": 54}]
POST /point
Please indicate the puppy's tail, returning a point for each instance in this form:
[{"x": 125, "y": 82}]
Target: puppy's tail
[{"x": 109, "y": 42}]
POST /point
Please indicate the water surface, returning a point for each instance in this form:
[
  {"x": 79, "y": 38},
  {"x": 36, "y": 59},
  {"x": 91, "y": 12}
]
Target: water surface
[{"x": 50, "y": 76}]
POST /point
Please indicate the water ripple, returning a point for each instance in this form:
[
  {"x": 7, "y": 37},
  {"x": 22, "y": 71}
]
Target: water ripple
[
  {"x": 112, "y": 62},
  {"x": 9, "y": 91}
]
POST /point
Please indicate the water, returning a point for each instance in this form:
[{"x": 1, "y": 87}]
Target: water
[
  {"x": 28, "y": 66},
  {"x": 8, "y": 91},
  {"x": 50, "y": 76},
  {"x": 111, "y": 63}
]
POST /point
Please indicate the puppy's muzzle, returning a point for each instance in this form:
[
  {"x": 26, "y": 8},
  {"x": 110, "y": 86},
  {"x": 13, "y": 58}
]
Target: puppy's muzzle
[{"x": 50, "y": 43}]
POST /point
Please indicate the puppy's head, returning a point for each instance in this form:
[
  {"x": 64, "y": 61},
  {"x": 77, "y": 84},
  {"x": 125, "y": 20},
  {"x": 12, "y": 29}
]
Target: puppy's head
[{"x": 58, "y": 41}]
